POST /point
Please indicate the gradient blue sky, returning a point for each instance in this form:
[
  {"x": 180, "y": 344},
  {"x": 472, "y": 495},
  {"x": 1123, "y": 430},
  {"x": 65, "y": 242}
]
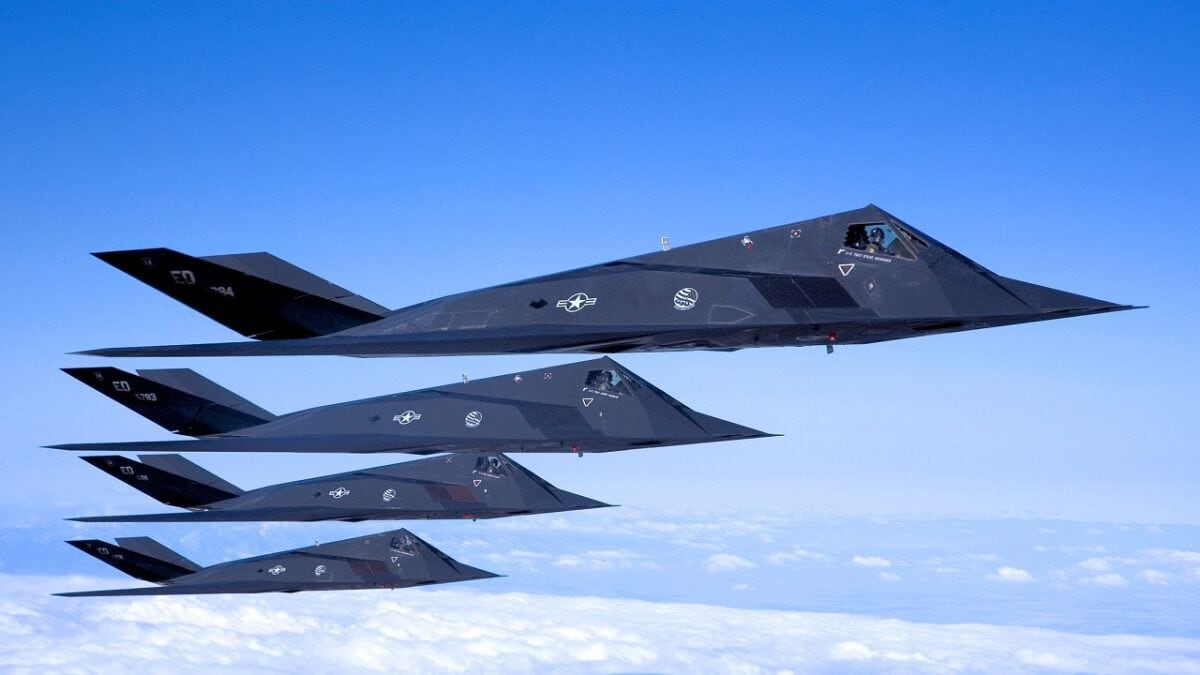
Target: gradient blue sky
[{"x": 414, "y": 150}]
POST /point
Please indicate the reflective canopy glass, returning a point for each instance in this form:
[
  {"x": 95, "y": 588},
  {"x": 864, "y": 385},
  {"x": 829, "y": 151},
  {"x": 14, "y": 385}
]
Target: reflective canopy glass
[
  {"x": 607, "y": 381},
  {"x": 876, "y": 238},
  {"x": 490, "y": 466}
]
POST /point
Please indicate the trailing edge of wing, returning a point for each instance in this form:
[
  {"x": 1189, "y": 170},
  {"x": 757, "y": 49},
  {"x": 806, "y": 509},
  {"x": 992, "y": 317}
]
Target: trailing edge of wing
[
  {"x": 334, "y": 443},
  {"x": 280, "y": 514},
  {"x": 182, "y": 589},
  {"x": 546, "y": 339}
]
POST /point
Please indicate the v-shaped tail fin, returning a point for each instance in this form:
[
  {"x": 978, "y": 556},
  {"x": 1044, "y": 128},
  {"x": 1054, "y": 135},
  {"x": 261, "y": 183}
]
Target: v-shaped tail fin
[
  {"x": 139, "y": 557},
  {"x": 177, "y": 400},
  {"x": 255, "y": 294},
  {"x": 170, "y": 479}
]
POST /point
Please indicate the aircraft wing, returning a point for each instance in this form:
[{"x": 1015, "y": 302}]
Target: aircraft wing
[
  {"x": 363, "y": 443},
  {"x": 278, "y": 514},
  {"x": 193, "y": 589},
  {"x": 522, "y": 340}
]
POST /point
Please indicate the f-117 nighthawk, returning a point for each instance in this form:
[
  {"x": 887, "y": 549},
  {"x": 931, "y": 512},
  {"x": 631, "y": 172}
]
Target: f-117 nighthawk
[
  {"x": 396, "y": 559},
  {"x": 458, "y": 485},
  {"x": 590, "y": 406},
  {"x": 856, "y": 277}
]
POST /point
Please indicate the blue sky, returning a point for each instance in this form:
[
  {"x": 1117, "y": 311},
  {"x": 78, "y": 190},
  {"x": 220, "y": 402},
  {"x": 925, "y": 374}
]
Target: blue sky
[{"x": 414, "y": 150}]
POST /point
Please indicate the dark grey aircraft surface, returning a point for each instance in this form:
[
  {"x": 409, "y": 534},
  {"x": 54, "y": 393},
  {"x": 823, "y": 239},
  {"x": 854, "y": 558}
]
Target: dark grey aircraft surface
[
  {"x": 590, "y": 406},
  {"x": 856, "y": 277},
  {"x": 396, "y": 559},
  {"x": 459, "y": 485}
]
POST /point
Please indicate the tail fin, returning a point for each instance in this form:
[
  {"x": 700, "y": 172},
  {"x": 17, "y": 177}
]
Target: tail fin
[
  {"x": 170, "y": 479},
  {"x": 178, "y": 400},
  {"x": 255, "y": 294},
  {"x": 139, "y": 557}
]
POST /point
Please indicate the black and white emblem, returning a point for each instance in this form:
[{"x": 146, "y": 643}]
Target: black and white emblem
[
  {"x": 407, "y": 417},
  {"x": 474, "y": 419},
  {"x": 576, "y": 302},
  {"x": 685, "y": 299},
  {"x": 339, "y": 493}
]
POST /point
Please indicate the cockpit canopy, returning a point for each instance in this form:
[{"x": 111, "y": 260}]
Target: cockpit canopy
[
  {"x": 490, "y": 466},
  {"x": 403, "y": 544},
  {"x": 877, "y": 239},
  {"x": 608, "y": 381}
]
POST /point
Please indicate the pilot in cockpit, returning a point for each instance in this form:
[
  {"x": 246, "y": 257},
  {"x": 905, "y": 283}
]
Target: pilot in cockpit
[
  {"x": 875, "y": 241},
  {"x": 602, "y": 381}
]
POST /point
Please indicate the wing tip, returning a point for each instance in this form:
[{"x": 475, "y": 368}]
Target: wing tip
[{"x": 89, "y": 352}]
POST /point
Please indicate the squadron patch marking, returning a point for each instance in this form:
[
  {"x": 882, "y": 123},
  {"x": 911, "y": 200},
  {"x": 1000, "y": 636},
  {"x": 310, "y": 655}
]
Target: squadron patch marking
[
  {"x": 319, "y": 570},
  {"x": 685, "y": 299},
  {"x": 389, "y": 494},
  {"x": 473, "y": 419}
]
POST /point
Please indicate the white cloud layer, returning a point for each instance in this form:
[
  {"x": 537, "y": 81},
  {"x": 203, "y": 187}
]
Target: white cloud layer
[
  {"x": 795, "y": 555},
  {"x": 1155, "y": 577},
  {"x": 1012, "y": 575},
  {"x": 726, "y": 562},
  {"x": 1110, "y": 580},
  {"x": 605, "y": 560},
  {"x": 1175, "y": 556},
  {"x": 870, "y": 561},
  {"x": 474, "y": 631},
  {"x": 1096, "y": 565}
]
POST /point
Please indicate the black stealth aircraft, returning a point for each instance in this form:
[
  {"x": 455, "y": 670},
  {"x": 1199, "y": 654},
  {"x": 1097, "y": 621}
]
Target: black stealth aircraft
[
  {"x": 850, "y": 278},
  {"x": 590, "y": 406},
  {"x": 396, "y": 559},
  {"x": 458, "y": 485}
]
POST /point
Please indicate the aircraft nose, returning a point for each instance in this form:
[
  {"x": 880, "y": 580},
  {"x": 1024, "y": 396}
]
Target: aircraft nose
[
  {"x": 468, "y": 573},
  {"x": 579, "y": 501},
  {"x": 719, "y": 428},
  {"x": 1053, "y": 301}
]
